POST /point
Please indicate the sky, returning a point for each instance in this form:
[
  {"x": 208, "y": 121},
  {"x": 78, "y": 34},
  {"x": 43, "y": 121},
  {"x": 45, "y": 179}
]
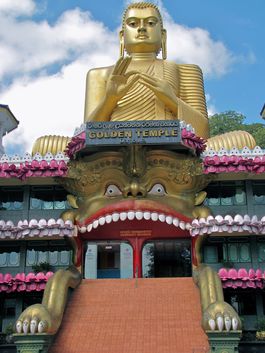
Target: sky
[{"x": 47, "y": 47}]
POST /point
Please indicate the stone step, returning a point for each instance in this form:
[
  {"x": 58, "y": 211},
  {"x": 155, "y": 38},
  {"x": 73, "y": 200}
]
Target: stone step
[{"x": 148, "y": 315}]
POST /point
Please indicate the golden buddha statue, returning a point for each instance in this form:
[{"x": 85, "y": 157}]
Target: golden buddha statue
[{"x": 141, "y": 86}]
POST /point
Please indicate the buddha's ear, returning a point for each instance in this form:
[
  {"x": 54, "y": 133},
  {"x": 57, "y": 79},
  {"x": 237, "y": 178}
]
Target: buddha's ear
[
  {"x": 164, "y": 43},
  {"x": 121, "y": 36},
  {"x": 200, "y": 197},
  {"x": 72, "y": 201}
]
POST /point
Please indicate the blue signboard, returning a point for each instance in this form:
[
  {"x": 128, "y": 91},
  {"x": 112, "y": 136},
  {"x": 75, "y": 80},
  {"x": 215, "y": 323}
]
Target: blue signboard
[{"x": 150, "y": 132}]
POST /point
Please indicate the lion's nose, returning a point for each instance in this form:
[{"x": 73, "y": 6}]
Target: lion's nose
[{"x": 135, "y": 190}]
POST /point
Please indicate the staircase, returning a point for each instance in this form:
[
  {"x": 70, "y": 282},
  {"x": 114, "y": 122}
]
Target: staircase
[{"x": 148, "y": 315}]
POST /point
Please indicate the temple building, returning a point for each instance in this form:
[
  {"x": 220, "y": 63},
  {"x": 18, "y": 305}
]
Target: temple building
[
  {"x": 35, "y": 240},
  {"x": 139, "y": 233},
  {"x": 8, "y": 122}
]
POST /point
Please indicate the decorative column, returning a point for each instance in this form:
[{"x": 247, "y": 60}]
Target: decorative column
[
  {"x": 224, "y": 342},
  {"x": 38, "y": 343}
]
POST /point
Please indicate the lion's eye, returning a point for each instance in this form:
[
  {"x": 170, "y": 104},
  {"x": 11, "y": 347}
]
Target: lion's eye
[
  {"x": 113, "y": 190},
  {"x": 157, "y": 189}
]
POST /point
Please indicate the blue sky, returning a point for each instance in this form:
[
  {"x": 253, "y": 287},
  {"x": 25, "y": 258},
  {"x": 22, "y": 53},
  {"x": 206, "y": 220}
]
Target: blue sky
[{"x": 48, "y": 46}]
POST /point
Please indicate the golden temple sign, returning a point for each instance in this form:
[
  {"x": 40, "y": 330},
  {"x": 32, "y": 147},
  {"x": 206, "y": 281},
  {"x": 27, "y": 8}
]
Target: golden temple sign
[{"x": 159, "y": 132}]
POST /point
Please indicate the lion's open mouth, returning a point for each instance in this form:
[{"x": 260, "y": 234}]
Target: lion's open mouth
[{"x": 136, "y": 216}]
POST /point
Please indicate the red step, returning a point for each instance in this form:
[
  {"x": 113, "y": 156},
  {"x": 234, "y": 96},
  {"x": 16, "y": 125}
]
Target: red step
[{"x": 156, "y": 315}]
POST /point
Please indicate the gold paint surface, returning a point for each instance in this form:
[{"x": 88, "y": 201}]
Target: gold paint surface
[
  {"x": 51, "y": 310},
  {"x": 212, "y": 298},
  {"x": 50, "y": 143},
  {"x": 135, "y": 174},
  {"x": 238, "y": 139}
]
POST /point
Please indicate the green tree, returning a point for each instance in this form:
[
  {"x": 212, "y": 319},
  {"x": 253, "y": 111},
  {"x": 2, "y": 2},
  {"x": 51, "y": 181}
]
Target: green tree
[
  {"x": 257, "y": 130},
  {"x": 231, "y": 121},
  {"x": 226, "y": 122}
]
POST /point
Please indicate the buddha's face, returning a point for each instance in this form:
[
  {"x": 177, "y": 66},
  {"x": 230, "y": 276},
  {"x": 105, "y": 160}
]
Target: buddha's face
[{"x": 142, "y": 31}]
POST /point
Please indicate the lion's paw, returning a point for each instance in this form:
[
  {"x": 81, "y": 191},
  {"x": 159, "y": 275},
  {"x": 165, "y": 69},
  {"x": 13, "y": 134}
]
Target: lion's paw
[
  {"x": 35, "y": 319},
  {"x": 222, "y": 317}
]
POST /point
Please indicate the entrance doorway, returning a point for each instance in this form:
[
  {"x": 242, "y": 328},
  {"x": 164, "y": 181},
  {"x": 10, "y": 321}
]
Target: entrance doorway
[
  {"x": 109, "y": 259},
  {"x": 167, "y": 258}
]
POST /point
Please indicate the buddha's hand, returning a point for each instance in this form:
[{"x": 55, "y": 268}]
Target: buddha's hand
[
  {"x": 36, "y": 319},
  {"x": 162, "y": 89},
  {"x": 120, "y": 82},
  {"x": 220, "y": 316}
]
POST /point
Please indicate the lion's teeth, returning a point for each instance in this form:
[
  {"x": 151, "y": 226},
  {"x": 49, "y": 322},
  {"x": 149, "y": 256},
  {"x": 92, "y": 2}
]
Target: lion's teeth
[
  {"x": 188, "y": 226},
  {"x": 162, "y": 217},
  {"x": 176, "y": 222},
  {"x": 147, "y": 215},
  {"x": 182, "y": 225},
  {"x": 169, "y": 220},
  {"x": 95, "y": 224},
  {"x": 123, "y": 216},
  {"x": 102, "y": 221},
  {"x": 115, "y": 217},
  {"x": 131, "y": 215},
  {"x": 139, "y": 215},
  {"x": 154, "y": 216},
  {"x": 108, "y": 218}
]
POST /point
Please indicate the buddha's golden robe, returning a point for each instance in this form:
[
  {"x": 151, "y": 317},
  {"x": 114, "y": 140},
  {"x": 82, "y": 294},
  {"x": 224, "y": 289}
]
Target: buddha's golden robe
[{"x": 140, "y": 103}]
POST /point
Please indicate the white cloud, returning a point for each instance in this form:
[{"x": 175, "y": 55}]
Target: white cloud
[
  {"x": 17, "y": 7},
  {"x": 194, "y": 45},
  {"x": 28, "y": 46},
  {"x": 210, "y": 105},
  {"x": 48, "y": 103}
]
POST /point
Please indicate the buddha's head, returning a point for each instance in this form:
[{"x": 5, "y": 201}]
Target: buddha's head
[{"x": 142, "y": 30}]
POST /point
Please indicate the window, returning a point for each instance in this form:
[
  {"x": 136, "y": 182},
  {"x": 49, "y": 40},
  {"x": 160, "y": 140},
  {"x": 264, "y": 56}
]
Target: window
[
  {"x": 258, "y": 188},
  {"x": 167, "y": 258},
  {"x": 55, "y": 255},
  {"x": 31, "y": 298},
  {"x": 238, "y": 252},
  {"x": 48, "y": 198},
  {"x": 263, "y": 300},
  {"x": 221, "y": 249},
  {"x": 9, "y": 258},
  {"x": 11, "y": 199},
  {"x": 9, "y": 308},
  {"x": 8, "y": 311},
  {"x": 213, "y": 250},
  {"x": 261, "y": 249},
  {"x": 226, "y": 194},
  {"x": 243, "y": 301}
]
